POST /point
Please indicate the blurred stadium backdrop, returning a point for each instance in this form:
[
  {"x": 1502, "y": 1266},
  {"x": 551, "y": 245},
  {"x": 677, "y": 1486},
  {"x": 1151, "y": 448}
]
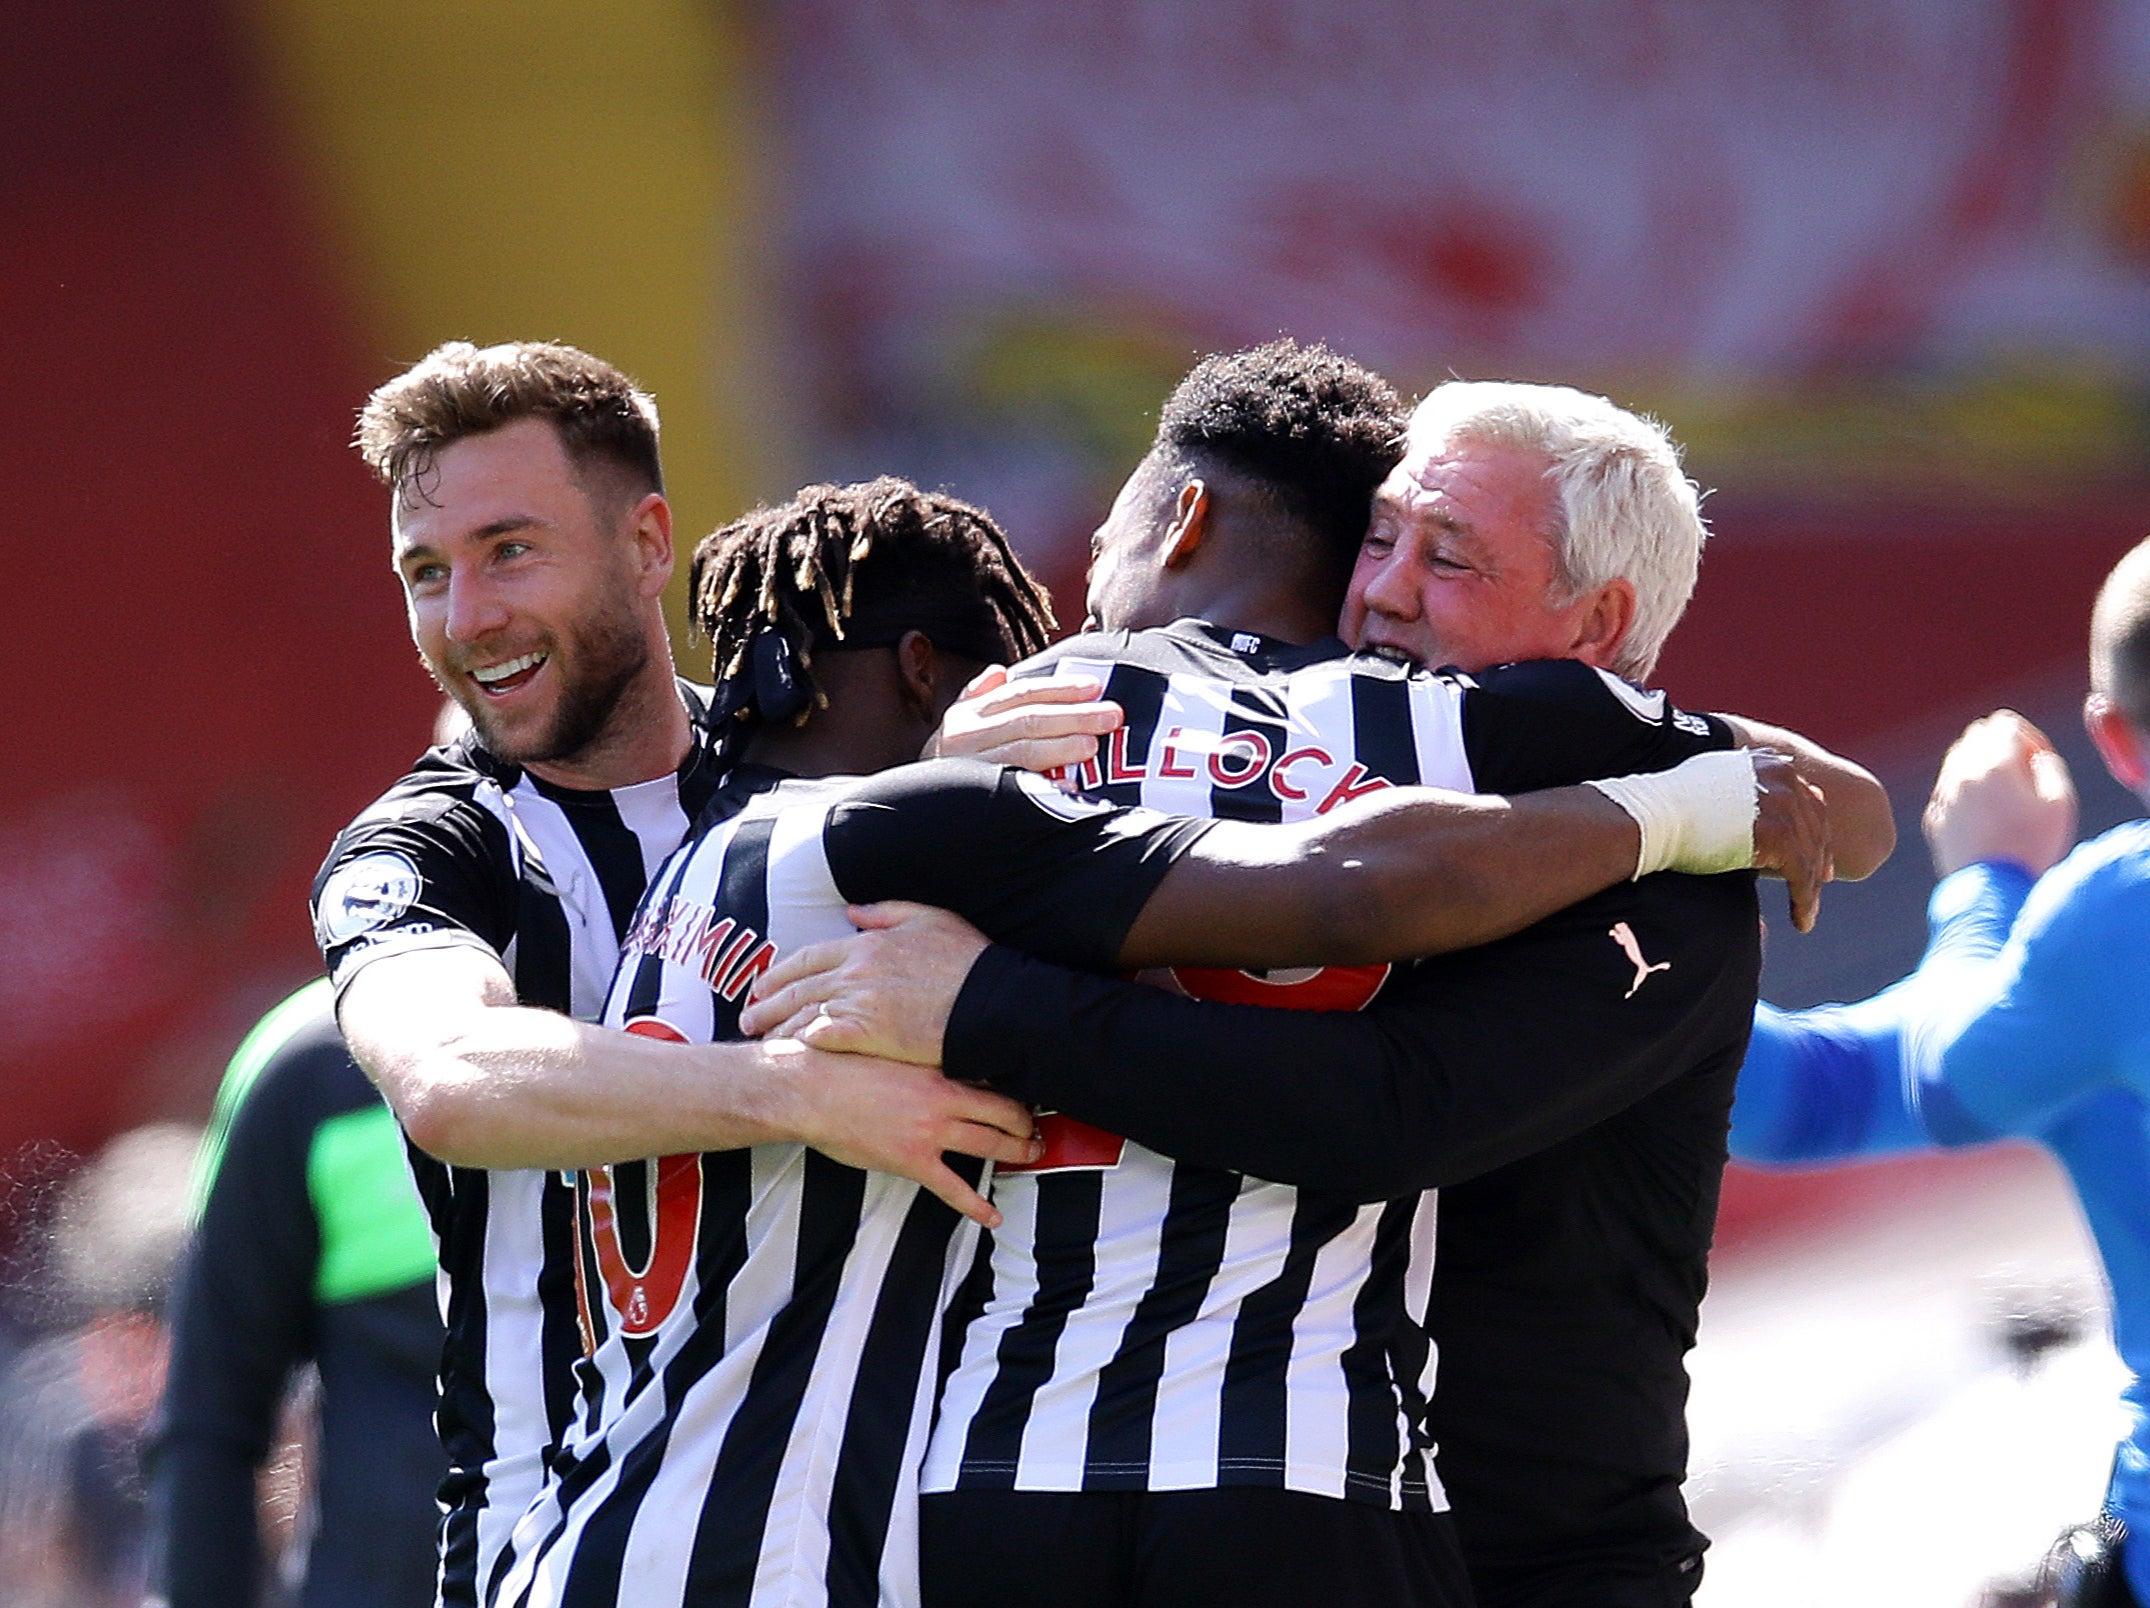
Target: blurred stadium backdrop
[{"x": 1884, "y": 265}]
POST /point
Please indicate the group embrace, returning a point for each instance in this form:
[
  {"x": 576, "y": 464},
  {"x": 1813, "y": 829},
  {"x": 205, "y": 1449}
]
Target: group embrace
[{"x": 1228, "y": 1109}]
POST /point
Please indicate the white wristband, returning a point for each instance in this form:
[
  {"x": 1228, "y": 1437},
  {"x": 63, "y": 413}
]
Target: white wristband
[{"x": 1697, "y": 817}]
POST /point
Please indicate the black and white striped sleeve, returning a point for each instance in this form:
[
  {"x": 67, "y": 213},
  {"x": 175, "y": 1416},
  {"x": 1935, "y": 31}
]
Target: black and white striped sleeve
[
  {"x": 420, "y": 872},
  {"x": 1058, "y": 876}
]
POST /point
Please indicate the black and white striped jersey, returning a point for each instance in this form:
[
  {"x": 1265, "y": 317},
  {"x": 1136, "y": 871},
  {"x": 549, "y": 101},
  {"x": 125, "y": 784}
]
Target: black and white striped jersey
[
  {"x": 763, "y": 1322},
  {"x": 1146, "y": 1324},
  {"x": 468, "y": 850}
]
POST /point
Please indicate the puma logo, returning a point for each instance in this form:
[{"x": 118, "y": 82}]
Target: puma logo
[{"x": 1624, "y": 935}]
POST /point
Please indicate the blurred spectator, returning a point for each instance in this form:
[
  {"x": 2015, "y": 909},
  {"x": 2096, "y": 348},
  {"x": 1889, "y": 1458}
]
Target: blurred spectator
[
  {"x": 76, "y": 1407},
  {"x": 2028, "y": 1017},
  {"x": 312, "y": 1248}
]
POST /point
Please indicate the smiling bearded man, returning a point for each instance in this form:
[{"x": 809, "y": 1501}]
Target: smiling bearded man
[
  {"x": 548, "y": 640},
  {"x": 472, "y": 915}
]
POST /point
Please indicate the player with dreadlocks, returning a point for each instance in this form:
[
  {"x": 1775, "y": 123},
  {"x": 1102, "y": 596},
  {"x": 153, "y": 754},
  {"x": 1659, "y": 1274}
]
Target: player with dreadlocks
[
  {"x": 770, "y": 589},
  {"x": 760, "y": 1321}
]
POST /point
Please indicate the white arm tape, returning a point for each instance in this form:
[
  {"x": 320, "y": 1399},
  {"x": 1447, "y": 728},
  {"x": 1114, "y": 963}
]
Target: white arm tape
[{"x": 1697, "y": 817}]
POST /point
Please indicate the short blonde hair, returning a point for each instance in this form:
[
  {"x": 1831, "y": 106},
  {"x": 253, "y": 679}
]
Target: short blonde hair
[{"x": 1627, "y": 509}]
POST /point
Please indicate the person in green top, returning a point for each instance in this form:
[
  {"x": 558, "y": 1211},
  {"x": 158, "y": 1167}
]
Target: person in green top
[{"x": 310, "y": 1246}]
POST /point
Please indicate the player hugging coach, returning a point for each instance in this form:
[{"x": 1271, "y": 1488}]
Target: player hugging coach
[
  {"x": 1197, "y": 1366},
  {"x": 763, "y": 1320}
]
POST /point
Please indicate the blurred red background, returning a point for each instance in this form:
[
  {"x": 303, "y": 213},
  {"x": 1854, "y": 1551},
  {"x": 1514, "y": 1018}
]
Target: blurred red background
[{"x": 1885, "y": 268}]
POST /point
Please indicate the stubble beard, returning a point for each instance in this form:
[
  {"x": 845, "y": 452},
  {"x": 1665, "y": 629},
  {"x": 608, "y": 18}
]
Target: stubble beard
[{"x": 600, "y": 661}]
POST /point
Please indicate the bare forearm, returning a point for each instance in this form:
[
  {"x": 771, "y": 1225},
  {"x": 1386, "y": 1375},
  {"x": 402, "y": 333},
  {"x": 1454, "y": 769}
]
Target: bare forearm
[
  {"x": 518, "y": 1087},
  {"x": 480, "y": 1081},
  {"x": 1862, "y": 828},
  {"x": 1401, "y": 874}
]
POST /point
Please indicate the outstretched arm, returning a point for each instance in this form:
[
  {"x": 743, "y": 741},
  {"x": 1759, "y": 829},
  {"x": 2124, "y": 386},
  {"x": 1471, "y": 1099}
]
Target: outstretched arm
[
  {"x": 1394, "y": 875},
  {"x": 1827, "y": 1084},
  {"x": 478, "y": 1080},
  {"x": 1816, "y": 1087},
  {"x": 1415, "y": 871},
  {"x": 1045, "y": 723}
]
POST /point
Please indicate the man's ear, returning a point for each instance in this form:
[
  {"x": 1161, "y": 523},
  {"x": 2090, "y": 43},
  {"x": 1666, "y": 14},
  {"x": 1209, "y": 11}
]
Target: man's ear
[
  {"x": 1605, "y": 624},
  {"x": 930, "y": 678},
  {"x": 919, "y": 669},
  {"x": 651, "y": 529},
  {"x": 1190, "y": 524},
  {"x": 2118, "y": 743}
]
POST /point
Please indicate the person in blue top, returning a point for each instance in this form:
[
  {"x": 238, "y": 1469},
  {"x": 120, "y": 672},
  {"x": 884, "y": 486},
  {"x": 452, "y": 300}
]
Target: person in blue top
[{"x": 2028, "y": 1017}]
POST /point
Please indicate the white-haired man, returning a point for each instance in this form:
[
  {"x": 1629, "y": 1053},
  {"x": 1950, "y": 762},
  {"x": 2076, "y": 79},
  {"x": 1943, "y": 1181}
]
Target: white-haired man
[
  {"x": 1537, "y": 521},
  {"x": 1527, "y": 522},
  {"x": 1524, "y": 522}
]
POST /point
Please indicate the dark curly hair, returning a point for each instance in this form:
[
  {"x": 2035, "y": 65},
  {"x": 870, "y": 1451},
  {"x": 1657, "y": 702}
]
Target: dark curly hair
[
  {"x": 1312, "y": 428},
  {"x": 854, "y": 567}
]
